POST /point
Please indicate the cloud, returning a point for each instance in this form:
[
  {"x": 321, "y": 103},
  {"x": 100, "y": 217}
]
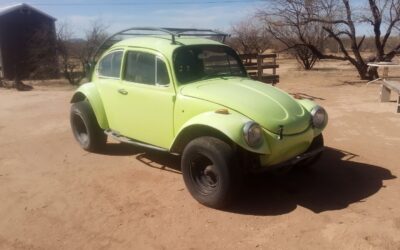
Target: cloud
[{"x": 193, "y": 16}]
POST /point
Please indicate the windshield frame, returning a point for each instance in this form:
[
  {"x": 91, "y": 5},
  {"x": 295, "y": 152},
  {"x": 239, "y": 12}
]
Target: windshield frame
[{"x": 226, "y": 48}]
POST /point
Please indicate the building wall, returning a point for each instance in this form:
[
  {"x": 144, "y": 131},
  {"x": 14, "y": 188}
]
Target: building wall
[{"x": 28, "y": 45}]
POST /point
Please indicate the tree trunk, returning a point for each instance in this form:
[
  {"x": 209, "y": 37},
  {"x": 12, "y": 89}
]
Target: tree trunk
[{"x": 363, "y": 72}]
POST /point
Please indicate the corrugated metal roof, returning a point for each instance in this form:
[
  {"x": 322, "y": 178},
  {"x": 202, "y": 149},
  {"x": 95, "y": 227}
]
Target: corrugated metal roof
[{"x": 8, "y": 9}]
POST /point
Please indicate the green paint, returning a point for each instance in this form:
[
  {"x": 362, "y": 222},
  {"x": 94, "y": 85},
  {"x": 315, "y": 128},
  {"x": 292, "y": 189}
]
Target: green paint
[{"x": 158, "y": 114}]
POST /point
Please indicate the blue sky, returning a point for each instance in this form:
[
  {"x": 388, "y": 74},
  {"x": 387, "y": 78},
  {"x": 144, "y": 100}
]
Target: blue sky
[{"x": 120, "y": 14}]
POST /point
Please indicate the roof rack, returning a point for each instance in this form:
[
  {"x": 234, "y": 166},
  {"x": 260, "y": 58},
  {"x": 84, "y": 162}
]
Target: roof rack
[{"x": 173, "y": 32}]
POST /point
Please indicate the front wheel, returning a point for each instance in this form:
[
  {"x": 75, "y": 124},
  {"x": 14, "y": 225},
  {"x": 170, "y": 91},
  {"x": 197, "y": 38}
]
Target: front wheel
[
  {"x": 85, "y": 128},
  {"x": 209, "y": 171}
]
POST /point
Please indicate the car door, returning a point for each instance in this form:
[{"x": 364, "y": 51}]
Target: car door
[
  {"x": 144, "y": 108},
  {"x": 108, "y": 80}
]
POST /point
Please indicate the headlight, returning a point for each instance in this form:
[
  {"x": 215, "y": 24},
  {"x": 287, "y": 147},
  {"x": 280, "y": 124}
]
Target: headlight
[
  {"x": 252, "y": 133},
  {"x": 319, "y": 117}
]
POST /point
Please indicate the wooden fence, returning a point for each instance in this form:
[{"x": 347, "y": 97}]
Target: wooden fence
[{"x": 255, "y": 65}]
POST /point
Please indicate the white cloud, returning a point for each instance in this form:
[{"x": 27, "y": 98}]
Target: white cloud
[{"x": 215, "y": 17}]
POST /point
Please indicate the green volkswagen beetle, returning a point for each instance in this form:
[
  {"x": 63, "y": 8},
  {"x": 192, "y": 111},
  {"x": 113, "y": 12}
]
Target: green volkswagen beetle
[{"x": 179, "y": 91}]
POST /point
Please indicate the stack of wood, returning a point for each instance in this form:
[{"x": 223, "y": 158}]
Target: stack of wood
[{"x": 256, "y": 63}]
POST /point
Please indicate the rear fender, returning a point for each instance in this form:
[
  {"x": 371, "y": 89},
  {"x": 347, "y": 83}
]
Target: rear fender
[{"x": 89, "y": 91}]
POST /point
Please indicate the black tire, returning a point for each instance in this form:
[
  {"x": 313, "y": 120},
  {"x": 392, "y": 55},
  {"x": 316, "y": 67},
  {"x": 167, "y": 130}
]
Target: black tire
[
  {"x": 210, "y": 171},
  {"x": 85, "y": 127}
]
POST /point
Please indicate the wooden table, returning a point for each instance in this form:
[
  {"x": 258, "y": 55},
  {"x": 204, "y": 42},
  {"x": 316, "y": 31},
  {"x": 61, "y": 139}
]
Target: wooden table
[
  {"x": 386, "y": 66},
  {"x": 388, "y": 85}
]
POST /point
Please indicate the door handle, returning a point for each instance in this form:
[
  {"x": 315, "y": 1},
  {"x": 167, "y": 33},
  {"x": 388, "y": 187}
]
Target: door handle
[{"x": 123, "y": 91}]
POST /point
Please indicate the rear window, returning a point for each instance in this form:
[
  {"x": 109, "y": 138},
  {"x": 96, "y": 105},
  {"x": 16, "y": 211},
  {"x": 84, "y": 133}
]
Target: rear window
[{"x": 110, "y": 65}]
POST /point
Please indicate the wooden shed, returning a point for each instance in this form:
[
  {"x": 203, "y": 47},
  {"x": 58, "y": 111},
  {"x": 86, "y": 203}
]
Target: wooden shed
[{"x": 27, "y": 43}]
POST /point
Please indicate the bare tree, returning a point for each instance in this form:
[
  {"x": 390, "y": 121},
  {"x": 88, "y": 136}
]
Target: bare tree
[
  {"x": 69, "y": 52},
  {"x": 285, "y": 23},
  {"x": 95, "y": 36},
  {"x": 76, "y": 54},
  {"x": 248, "y": 36},
  {"x": 383, "y": 16},
  {"x": 339, "y": 19}
]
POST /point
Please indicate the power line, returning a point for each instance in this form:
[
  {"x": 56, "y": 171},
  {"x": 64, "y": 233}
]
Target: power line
[{"x": 147, "y": 3}]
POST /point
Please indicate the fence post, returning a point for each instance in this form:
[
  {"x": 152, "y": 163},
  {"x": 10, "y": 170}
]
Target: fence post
[{"x": 259, "y": 67}]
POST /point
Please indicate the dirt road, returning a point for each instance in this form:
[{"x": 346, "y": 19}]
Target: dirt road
[{"x": 53, "y": 195}]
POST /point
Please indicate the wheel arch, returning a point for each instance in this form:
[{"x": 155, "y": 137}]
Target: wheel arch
[
  {"x": 90, "y": 93},
  {"x": 226, "y": 127},
  {"x": 195, "y": 131}
]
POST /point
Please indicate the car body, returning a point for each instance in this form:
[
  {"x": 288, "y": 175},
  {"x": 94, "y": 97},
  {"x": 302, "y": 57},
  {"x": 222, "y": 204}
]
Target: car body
[{"x": 160, "y": 94}]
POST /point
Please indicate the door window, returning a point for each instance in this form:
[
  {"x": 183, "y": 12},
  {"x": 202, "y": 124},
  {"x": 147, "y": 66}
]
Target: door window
[
  {"x": 110, "y": 65},
  {"x": 145, "y": 68}
]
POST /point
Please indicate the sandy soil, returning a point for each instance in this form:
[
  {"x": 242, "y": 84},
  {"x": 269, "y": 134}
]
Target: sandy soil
[{"x": 53, "y": 195}]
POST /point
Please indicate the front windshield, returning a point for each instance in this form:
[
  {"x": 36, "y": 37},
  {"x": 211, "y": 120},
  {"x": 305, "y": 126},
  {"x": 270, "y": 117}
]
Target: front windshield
[{"x": 200, "y": 62}]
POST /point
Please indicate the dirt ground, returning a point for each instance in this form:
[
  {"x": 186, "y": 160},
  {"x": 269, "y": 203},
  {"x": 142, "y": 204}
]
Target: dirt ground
[{"x": 54, "y": 195}]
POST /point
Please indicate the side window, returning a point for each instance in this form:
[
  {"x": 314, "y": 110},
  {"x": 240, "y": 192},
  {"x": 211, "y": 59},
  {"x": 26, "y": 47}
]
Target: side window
[
  {"x": 146, "y": 68},
  {"x": 131, "y": 66},
  {"x": 110, "y": 65},
  {"x": 162, "y": 77}
]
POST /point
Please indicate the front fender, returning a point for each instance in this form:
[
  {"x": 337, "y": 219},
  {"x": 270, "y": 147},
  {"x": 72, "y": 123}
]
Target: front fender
[
  {"x": 309, "y": 105},
  {"x": 231, "y": 125},
  {"x": 89, "y": 91}
]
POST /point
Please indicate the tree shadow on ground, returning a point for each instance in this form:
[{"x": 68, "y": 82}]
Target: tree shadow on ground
[
  {"x": 299, "y": 95},
  {"x": 334, "y": 182}
]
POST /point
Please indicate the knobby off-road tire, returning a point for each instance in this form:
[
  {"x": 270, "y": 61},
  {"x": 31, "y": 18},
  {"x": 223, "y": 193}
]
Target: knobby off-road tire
[
  {"x": 85, "y": 127},
  {"x": 210, "y": 172}
]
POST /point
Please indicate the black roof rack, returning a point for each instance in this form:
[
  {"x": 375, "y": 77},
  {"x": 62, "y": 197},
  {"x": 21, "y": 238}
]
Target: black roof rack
[{"x": 173, "y": 32}]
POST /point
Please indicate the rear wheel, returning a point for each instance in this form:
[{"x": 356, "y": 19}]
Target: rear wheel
[
  {"x": 209, "y": 171},
  {"x": 85, "y": 127}
]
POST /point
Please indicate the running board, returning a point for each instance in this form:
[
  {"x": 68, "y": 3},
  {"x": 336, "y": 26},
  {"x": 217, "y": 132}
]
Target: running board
[{"x": 117, "y": 136}]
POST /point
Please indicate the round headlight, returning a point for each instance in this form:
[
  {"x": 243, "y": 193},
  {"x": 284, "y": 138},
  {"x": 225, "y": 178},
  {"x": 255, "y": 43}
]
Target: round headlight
[
  {"x": 252, "y": 133},
  {"x": 319, "y": 117}
]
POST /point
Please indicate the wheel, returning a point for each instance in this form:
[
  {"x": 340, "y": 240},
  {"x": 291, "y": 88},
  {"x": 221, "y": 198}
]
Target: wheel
[
  {"x": 209, "y": 171},
  {"x": 85, "y": 128}
]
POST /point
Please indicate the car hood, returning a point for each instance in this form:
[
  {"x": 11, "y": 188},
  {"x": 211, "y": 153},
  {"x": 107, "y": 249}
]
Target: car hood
[{"x": 263, "y": 103}]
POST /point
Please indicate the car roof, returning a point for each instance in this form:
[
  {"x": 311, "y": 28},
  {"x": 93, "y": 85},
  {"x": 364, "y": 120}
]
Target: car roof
[{"x": 164, "y": 44}]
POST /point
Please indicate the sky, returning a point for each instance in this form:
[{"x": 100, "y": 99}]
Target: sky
[{"x": 121, "y": 14}]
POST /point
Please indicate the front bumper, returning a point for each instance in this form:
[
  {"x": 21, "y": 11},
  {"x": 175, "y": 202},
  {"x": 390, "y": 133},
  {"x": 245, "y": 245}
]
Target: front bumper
[
  {"x": 314, "y": 149},
  {"x": 300, "y": 158}
]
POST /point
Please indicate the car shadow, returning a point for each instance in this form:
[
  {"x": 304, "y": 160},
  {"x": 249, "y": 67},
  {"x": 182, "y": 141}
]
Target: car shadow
[
  {"x": 333, "y": 183},
  {"x": 152, "y": 158},
  {"x": 120, "y": 149}
]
